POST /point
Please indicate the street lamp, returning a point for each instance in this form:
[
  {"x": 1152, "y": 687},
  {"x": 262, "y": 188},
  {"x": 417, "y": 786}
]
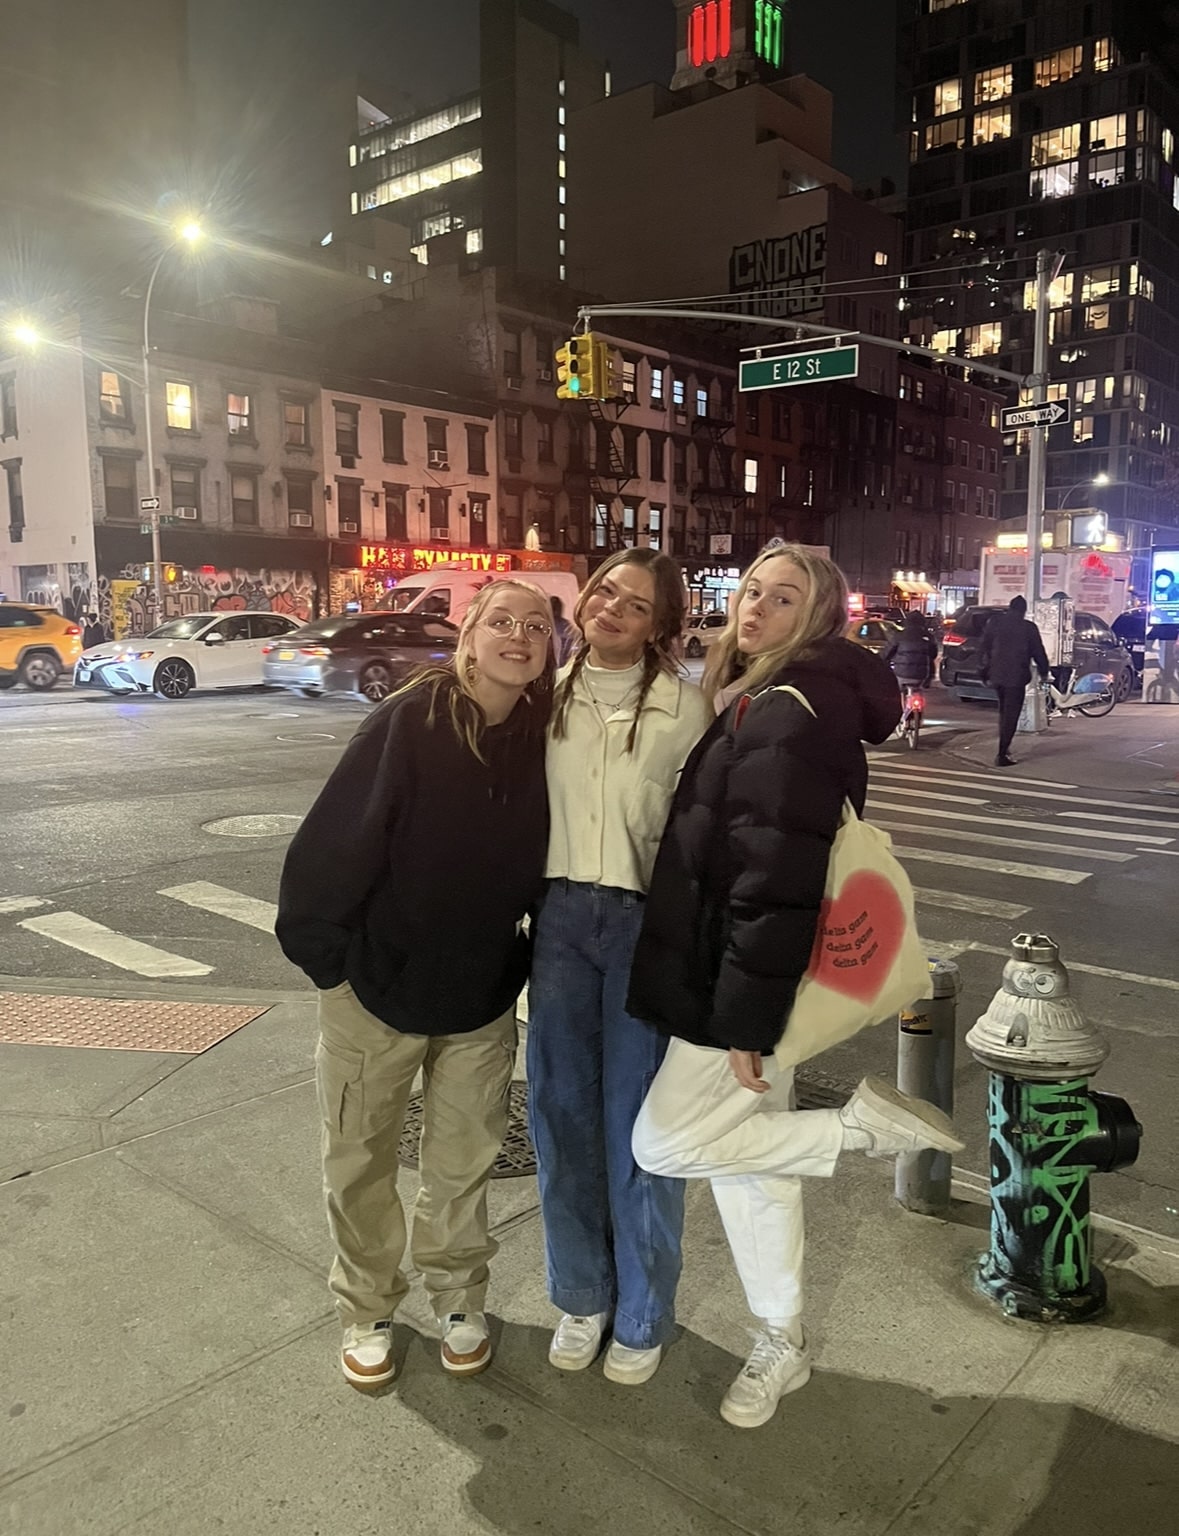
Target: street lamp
[
  {"x": 25, "y": 335},
  {"x": 1097, "y": 480},
  {"x": 189, "y": 233}
]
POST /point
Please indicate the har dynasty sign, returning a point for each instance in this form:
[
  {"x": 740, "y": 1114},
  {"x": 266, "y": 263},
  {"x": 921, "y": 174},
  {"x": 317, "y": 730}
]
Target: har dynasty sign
[{"x": 794, "y": 267}]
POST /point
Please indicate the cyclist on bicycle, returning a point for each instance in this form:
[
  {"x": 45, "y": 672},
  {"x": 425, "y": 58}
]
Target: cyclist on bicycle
[{"x": 912, "y": 652}]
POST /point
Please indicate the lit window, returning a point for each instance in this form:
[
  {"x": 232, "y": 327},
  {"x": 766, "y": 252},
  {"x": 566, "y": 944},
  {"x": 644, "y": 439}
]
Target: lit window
[
  {"x": 561, "y": 116},
  {"x": 882, "y": 258},
  {"x": 387, "y": 137},
  {"x": 474, "y": 241},
  {"x": 1139, "y": 282},
  {"x": 1100, "y": 283},
  {"x": 1060, "y": 294},
  {"x": 993, "y": 84},
  {"x": 1107, "y": 169},
  {"x": 985, "y": 340},
  {"x": 702, "y": 402},
  {"x": 1105, "y": 55},
  {"x": 1056, "y": 67},
  {"x": 397, "y": 188},
  {"x": 237, "y": 410},
  {"x": 113, "y": 402},
  {"x": 944, "y": 341},
  {"x": 1108, "y": 132},
  {"x": 656, "y": 384},
  {"x": 560, "y": 221},
  {"x": 751, "y": 477},
  {"x": 561, "y": 142},
  {"x": 1056, "y": 144},
  {"x": 992, "y": 125},
  {"x": 949, "y": 133},
  {"x": 560, "y": 194},
  {"x": 1097, "y": 317},
  {"x": 561, "y": 171},
  {"x": 1083, "y": 429},
  {"x": 947, "y": 97},
  {"x": 1055, "y": 180},
  {"x": 944, "y": 5},
  {"x": 179, "y": 404}
]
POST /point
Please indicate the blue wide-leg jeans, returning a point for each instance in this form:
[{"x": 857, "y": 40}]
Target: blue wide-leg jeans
[{"x": 612, "y": 1231}]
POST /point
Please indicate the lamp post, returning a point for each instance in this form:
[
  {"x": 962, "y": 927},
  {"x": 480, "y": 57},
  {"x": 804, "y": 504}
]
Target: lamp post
[
  {"x": 1097, "y": 480},
  {"x": 190, "y": 233}
]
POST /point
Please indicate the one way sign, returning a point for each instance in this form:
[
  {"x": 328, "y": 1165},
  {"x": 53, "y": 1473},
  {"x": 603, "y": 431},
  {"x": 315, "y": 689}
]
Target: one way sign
[{"x": 1052, "y": 414}]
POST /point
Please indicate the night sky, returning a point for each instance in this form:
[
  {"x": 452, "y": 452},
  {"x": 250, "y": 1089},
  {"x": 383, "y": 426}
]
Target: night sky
[{"x": 271, "y": 80}]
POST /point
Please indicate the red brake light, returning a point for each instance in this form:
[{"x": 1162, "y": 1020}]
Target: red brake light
[
  {"x": 72, "y": 629},
  {"x": 950, "y": 638},
  {"x": 314, "y": 650},
  {"x": 917, "y": 701},
  {"x": 266, "y": 650}
]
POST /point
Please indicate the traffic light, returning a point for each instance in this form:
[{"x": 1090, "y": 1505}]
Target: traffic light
[
  {"x": 579, "y": 368},
  {"x": 171, "y": 573}
]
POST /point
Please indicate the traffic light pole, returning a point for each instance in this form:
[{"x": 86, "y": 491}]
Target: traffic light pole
[{"x": 156, "y": 565}]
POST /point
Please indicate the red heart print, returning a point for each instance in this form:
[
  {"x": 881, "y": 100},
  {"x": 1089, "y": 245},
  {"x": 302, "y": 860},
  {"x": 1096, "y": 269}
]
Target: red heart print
[{"x": 859, "y": 937}]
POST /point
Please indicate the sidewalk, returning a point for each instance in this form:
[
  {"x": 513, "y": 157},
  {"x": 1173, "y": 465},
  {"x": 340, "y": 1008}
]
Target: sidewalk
[{"x": 1136, "y": 747}]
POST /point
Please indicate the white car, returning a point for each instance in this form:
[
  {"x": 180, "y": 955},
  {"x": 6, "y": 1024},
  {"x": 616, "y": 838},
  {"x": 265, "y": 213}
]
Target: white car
[
  {"x": 701, "y": 631},
  {"x": 200, "y": 650}
]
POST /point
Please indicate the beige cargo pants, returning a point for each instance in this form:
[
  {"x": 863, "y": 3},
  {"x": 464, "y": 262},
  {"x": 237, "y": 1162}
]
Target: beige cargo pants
[{"x": 364, "y": 1075}]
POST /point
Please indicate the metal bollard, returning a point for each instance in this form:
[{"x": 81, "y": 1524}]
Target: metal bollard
[
  {"x": 1049, "y": 1132},
  {"x": 925, "y": 1069}
]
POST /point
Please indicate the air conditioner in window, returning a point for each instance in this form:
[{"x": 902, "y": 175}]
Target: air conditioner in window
[
  {"x": 349, "y": 527},
  {"x": 515, "y": 382},
  {"x": 302, "y": 520},
  {"x": 440, "y": 535},
  {"x": 436, "y": 458},
  {"x": 189, "y": 514}
]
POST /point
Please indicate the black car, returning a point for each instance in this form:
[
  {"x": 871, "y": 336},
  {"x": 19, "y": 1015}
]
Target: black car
[
  {"x": 366, "y": 653},
  {"x": 1095, "y": 649}
]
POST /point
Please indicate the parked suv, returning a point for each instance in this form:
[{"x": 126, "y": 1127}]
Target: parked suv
[
  {"x": 368, "y": 653},
  {"x": 36, "y": 645},
  {"x": 701, "y": 631},
  {"x": 1095, "y": 649}
]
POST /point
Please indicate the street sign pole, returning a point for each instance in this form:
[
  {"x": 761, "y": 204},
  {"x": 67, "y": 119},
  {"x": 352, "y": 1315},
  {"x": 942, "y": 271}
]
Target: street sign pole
[{"x": 1048, "y": 265}]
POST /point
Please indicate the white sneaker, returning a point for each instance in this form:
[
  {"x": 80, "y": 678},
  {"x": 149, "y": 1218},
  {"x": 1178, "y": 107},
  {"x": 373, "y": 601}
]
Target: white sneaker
[
  {"x": 366, "y": 1355},
  {"x": 577, "y": 1341},
  {"x": 775, "y": 1367},
  {"x": 894, "y": 1123},
  {"x": 466, "y": 1347},
  {"x": 631, "y": 1367}
]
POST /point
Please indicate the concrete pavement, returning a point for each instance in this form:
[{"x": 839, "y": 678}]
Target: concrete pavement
[{"x": 169, "y": 1355}]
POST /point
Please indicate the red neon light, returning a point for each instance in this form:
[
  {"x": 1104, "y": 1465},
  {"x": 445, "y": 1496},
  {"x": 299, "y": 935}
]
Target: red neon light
[
  {"x": 725, "y": 41},
  {"x": 696, "y": 36},
  {"x": 710, "y": 29}
]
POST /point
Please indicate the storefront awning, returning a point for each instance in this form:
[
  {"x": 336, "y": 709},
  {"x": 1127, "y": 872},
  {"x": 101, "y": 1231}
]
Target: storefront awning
[{"x": 914, "y": 588}]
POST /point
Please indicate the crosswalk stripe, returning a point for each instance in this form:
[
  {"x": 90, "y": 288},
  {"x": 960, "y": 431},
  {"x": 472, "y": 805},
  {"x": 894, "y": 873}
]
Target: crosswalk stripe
[
  {"x": 955, "y": 781},
  {"x": 960, "y": 773},
  {"x": 11, "y": 904},
  {"x": 102, "y": 943},
  {"x": 995, "y": 866},
  {"x": 984, "y": 906},
  {"x": 220, "y": 900},
  {"x": 1122, "y": 821},
  {"x": 932, "y": 794},
  {"x": 992, "y": 840},
  {"x": 1026, "y": 826}
]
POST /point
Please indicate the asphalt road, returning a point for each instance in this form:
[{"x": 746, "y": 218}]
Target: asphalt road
[{"x": 112, "y": 870}]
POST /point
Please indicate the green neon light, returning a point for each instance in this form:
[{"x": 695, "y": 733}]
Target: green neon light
[
  {"x": 777, "y": 59},
  {"x": 758, "y": 25},
  {"x": 768, "y": 28}
]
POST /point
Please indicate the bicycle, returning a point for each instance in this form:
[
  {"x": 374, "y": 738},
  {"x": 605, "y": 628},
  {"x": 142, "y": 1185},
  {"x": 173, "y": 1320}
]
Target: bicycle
[
  {"x": 912, "y": 715},
  {"x": 1093, "y": 695}
]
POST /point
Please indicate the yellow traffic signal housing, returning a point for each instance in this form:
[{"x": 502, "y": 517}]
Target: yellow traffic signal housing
[
  {"x": 608, "y": 371},
  {"x": 579, "y": 368}
]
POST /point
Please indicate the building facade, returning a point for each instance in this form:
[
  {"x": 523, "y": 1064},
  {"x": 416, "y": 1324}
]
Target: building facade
[{"x": 1055, "y": 126}]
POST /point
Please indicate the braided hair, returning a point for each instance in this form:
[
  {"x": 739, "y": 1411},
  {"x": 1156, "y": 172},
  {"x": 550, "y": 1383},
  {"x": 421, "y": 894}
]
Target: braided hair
[{"x": 659, "y": 653}]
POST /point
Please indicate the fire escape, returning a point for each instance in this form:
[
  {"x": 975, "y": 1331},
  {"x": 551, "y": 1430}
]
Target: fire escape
[
  {"x": 717, "y": 498},
  {"x": 605, "y": 473}
]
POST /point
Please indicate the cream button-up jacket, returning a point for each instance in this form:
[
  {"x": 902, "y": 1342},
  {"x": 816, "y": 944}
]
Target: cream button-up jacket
[{"x": 608, "y": 807}]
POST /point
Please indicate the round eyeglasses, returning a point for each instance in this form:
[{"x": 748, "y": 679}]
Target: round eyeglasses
[{"x": 535, "y": 631}]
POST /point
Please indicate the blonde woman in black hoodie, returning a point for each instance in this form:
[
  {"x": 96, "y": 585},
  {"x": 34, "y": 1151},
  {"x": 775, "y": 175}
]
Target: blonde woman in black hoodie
[
  {"x": 728, "y": 933},
  {"x": 440, "y": 794}
]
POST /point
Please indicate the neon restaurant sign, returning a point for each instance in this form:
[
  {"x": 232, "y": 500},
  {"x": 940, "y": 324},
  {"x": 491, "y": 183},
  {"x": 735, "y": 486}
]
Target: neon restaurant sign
[
  {"x": 400, "y": 559},
  {"x": 710, "y": 32}
]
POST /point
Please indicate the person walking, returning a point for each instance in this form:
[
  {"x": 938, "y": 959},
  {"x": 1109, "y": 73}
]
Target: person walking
[
  {"x": 1011, "y": 643},
  {"x": 402, "y": 899},
  {"x": 912, "y": 652},
  {"x": 623, "y": 724},
  {"x": 565, "y": 637},
  {"x": 729, "y": 930},
  {"x": 93, "y": 633}
]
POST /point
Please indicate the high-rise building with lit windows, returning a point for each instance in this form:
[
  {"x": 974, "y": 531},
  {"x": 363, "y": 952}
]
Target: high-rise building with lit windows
[
  {"x": 490, "y": 167},
  {"x": 1054, "y": 123}
]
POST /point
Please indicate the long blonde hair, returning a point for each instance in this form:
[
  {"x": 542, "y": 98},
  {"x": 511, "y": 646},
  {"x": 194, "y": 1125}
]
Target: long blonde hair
[
  {"x": 659, "y": 654},
  {"x": 824, "y": 615},
  {"x": 453, "y": 684}
]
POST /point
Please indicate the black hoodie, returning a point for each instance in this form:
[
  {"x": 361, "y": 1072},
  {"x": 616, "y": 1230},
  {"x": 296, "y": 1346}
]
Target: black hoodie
[
  {"x": 735, "y": 898},
  {"x": 412, "y": 871}
]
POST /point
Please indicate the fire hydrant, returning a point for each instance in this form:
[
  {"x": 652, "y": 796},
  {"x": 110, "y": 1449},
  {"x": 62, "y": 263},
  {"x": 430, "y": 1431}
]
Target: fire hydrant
[{"x": 1049, "y": 1131}]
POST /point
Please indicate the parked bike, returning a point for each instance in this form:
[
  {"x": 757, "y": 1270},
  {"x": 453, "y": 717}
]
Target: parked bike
[{"x": 1093, "y": 695}]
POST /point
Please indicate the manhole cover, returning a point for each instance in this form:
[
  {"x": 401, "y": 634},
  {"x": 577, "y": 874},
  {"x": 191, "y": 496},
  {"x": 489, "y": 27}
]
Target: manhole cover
[
  {"x": 516, "y": 1156},
  {"x": 254, "y": 826},
  {"x": 308, "y": 736}
]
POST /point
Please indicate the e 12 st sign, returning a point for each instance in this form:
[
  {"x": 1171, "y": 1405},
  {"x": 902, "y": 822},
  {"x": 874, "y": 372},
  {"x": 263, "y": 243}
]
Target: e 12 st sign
[{"x": 815, "y": 367}]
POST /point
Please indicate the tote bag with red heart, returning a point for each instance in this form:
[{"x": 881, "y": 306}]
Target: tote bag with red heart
[{"x": 867, "y": 963}]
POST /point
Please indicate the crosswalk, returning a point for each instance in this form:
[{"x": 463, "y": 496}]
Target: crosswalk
[{"x": 1010, "y": 838}]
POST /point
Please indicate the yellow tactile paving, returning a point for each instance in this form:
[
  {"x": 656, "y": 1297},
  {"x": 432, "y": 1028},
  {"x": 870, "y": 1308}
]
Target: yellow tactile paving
[{"x": 102, "y": 1023}]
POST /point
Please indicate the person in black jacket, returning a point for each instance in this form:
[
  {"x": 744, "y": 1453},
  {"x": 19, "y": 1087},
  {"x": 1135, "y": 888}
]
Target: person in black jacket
[
  {"x": 1010, "y": 644},
  {"x": 912, "y": 652},
  {"x": 402, "y": 899},
  {"x": 729, "y": 930}
]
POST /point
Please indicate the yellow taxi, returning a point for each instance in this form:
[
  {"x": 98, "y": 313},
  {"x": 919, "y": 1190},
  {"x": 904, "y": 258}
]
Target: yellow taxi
[{"x": 36, "y": 645}]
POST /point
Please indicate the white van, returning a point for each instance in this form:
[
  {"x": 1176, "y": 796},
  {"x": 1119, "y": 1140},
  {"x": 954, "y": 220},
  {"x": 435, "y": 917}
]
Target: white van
[{"x": 445, "y": 592}]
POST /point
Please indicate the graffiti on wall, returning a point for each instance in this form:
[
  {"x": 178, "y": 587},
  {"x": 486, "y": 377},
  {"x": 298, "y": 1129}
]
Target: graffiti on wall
[
  {"x": 69, "y": 587},
  {"x": 126, "y": 603}
]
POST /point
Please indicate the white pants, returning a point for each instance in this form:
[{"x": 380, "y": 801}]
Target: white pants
[{"x": 697, "y": 1122}]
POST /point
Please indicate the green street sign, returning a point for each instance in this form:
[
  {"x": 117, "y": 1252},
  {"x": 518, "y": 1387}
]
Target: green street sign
[
  {"x": 145, "y": 527},
  {"x": 815, "y": 367}
]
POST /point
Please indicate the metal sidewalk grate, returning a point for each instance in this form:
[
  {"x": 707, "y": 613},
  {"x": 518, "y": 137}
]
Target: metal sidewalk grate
[
  {"x": 516, "y": 1157},
  {"x": 103, "y": 1023}
]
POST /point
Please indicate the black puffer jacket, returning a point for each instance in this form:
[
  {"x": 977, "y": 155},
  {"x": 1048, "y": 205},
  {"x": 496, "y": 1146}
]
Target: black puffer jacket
[
  {"x": 412, "y": 871},
  {"x": 734, "y": 902}
]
